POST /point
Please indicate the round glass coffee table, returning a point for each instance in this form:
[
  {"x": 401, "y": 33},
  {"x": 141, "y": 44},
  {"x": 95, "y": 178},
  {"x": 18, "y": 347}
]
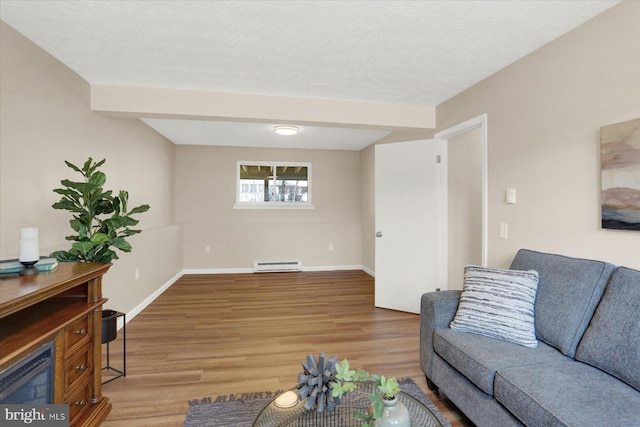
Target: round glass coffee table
[{"x": 342, "y": 416}]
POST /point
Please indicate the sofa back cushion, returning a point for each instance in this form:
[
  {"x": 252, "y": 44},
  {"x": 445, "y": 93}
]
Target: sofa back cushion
[
  {"x": 612, "y": 340},
  {"x": 569, "y": 290}
]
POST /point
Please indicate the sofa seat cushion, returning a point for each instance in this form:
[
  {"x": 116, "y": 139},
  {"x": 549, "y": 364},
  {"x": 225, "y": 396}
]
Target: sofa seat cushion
[
  {"x": 478, "y": 357},
  {"x": 569, "y": 290},
  {"x": 612, "y": 341},
  {"x": 567, "y": 393}
]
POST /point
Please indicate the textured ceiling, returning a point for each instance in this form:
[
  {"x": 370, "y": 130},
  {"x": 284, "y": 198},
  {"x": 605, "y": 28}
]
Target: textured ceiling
[{"x": 402, "y": 52}]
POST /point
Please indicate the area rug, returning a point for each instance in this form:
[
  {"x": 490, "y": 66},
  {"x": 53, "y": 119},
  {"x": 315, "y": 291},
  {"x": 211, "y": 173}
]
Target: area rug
[{"x": 240, "y": 410}]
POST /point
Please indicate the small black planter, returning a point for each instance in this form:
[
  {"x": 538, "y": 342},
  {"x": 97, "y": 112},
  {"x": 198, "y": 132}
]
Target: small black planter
[{"x": 109, "y": 325}]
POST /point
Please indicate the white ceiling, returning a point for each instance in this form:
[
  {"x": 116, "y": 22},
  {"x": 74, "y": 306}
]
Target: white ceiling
[
  {"x": 194, "y": 132},
  {"x": 401, "y": 52}
]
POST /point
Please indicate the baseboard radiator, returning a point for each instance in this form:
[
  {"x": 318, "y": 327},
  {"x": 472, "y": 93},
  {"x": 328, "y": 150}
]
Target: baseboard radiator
[{"x": 271, "y": 267}]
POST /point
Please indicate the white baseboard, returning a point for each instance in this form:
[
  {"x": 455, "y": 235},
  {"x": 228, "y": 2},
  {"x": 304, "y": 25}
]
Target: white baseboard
[
  {"x": 369, "y": 271},
  {"x": 333, "y": 268},
  {"x": 137, "y": 309},
  {"x": 250, "y": 270},
  {"x": 217, "y": 270}
]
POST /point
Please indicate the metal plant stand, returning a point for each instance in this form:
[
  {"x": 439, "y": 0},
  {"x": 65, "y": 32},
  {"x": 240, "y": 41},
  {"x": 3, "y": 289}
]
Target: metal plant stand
[{"x": 109, "y": 333}]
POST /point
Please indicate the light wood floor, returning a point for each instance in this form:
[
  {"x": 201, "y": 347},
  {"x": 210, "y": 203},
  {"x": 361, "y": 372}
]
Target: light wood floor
[{"x": 211, "y": 335}]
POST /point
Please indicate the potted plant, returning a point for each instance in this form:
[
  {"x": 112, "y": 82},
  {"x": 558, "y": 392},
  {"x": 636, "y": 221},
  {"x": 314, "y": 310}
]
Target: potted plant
[
  {"x": 384, "y": 404},
  {"x": 339, "y": 378},
  {"x": 101, "y": 220}
]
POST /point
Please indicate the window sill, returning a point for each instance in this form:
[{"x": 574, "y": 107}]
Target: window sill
[{"x": 273, "y": 205}]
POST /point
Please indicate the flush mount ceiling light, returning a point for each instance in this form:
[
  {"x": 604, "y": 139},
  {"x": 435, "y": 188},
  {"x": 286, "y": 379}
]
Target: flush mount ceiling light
[{"x": 286, "y": 129}]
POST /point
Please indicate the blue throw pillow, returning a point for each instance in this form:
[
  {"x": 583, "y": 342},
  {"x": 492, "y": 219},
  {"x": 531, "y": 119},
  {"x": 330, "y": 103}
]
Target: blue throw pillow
[{"x": 499, "y": 304}]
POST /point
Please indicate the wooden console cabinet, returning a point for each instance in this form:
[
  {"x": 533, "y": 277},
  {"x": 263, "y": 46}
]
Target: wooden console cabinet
[{"x": 63, "y": 306}]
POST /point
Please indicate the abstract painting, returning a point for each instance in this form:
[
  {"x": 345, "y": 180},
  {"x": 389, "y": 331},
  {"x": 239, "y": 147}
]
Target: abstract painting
[{"x": 620, "y": 164}]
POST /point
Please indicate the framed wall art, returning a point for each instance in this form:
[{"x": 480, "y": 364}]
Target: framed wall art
[{"x": 620, "y": 166}]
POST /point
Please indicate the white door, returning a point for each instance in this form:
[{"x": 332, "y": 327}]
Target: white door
[{"x": 408, "y": 240}]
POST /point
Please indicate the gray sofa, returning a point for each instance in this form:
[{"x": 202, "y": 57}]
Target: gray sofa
[{"x": 585, "y": 370}]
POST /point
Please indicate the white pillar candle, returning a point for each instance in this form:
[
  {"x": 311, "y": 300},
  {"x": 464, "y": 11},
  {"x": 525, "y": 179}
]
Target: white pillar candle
[
  {"x": 29, "y": 233},
  {"x": 29, "y": 244}
]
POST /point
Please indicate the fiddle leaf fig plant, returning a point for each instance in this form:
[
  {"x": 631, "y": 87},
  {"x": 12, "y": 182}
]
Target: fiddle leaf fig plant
[{"x": 101, "y": 220}]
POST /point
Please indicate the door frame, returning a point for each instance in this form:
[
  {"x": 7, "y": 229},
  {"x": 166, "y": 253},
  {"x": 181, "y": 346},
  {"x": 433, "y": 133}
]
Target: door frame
[{"x": 467, "y": 126}]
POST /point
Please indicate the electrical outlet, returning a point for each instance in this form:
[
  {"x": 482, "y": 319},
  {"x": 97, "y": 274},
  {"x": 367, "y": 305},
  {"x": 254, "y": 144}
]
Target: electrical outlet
[
  {"x": 137, "y": 273},
  {"x": 207, "y": 249},
  {"x": 331, "y": 247},
  {"x": 504, "y": 230}
]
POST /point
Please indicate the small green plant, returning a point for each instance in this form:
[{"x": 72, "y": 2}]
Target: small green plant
[
  {"x": 346, "y": 381},
  {"x": 100, "y": 219}
]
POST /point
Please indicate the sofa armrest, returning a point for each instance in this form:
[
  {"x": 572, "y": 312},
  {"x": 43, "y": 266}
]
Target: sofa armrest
[{"x": 437, "y": 310}]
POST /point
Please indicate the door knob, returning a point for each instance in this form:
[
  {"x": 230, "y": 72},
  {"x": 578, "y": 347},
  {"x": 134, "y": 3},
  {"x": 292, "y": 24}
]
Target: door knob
[{"x": 379, "y": 234}]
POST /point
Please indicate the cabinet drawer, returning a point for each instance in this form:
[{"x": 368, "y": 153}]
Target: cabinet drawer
[
  {"x": 77, "y": 331},
  {"x": 79, "y": 401},
  {"x": 76, "y": 366}
]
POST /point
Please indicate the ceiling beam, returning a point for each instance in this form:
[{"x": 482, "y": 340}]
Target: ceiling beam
[{"x": 144, "y": 102}]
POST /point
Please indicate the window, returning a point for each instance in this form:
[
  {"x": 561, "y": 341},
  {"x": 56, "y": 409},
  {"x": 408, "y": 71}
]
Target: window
[{"x": 264, "y": 185}]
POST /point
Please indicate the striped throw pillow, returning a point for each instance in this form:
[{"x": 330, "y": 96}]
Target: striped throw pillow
[{"x": 499, "y": 304}]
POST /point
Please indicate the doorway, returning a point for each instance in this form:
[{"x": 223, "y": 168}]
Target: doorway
[{"x": 466, "y": 164}]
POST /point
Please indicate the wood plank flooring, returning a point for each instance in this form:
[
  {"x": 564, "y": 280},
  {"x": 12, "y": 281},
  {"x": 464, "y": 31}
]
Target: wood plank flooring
[{"x": 211, "y": 335}]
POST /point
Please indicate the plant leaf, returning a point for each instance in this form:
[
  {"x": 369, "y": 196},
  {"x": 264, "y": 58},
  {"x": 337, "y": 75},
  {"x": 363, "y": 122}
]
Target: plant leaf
[
  {"x": 68, "y": 192},
  {"x": 361, "y": 416},
  {"x": 103, "y": 207},
  {"x": 83, "y": 187},
  {"x": 67, "y": 204},
  {"x": 127, "y": 221},
  {"x": 95, "y": 166},
  {"x": 87, "y": 167},
  {"x": 99, "y": 238},
  {"x": 98, "y": 179},
  {"x": 344, "y": 371},
  {"x": 378, "y": 407},
  {"x": 64, "y": 256},
  {"x": 139, "y": 209},
  {"x": 72, "y": 166},
  {"x": 121, "y": 244},
  {"x": 361, "y": 375},
  {"x": 388, "y": 386},
  {"x": 83, "y": 247},
  {"x": 124, "y": 199}
]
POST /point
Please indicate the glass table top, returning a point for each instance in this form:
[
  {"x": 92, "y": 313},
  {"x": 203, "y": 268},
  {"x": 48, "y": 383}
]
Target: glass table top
[{"x": 342, "y": 416}]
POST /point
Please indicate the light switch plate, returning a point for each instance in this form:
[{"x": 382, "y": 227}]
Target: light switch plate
[{"x": 504, "y": 230}]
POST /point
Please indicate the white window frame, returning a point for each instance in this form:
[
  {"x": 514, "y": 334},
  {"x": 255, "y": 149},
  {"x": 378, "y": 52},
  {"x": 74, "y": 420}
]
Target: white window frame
[{"x": 273, "y": 205}]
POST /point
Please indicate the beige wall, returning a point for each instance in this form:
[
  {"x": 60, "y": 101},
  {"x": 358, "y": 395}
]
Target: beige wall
[
  {"x": 205, "y": 195},
  {"x": 45, "y": 119},
  {"x": 544, "y": 115}
]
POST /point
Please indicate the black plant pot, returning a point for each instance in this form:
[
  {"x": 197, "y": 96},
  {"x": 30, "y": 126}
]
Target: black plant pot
[{"x": 109, "y": 325}]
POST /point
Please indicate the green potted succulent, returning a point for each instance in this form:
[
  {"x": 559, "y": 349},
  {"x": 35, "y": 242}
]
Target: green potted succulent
[
  {"x": 101, "y": 220},
  {"x": 347, "y": 380},
  {"x": 324, "y": 383}
]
